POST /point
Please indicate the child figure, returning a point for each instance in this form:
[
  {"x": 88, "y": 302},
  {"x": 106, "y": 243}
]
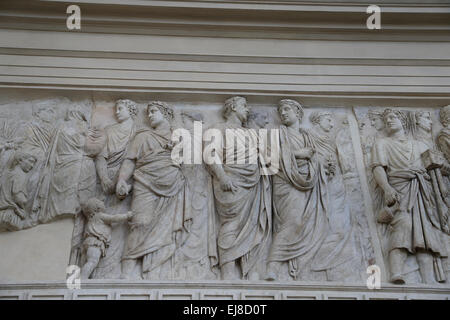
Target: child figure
[
  {"x": 13, "y": 192},
  {"x": 97, "y": 234}
]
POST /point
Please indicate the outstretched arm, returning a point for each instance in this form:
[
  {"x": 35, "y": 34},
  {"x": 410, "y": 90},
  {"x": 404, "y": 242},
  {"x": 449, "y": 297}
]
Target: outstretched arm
[{"x": 109, "y": 218}]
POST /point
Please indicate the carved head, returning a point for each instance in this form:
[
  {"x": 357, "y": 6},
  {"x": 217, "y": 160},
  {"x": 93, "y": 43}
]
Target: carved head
[
  {"x": 24, "y": 160},
  {"x": 376, "y": 119},
  {"x": 73, "y": 114},
  {"x": 322, "y": 119},
  {"x": 260, "y": 119},
  {"x": 394, "y": 120},
  {"x": 444, "y": 115},
  {"x": 237, "y": 105},
  {"x": 290, "y": 111},
  {"x": 125, "y": 109},
  {"x": 93, "y": 205},
  {"x": 423, "y": 120},
  {"x": 45, "y": 111},
  {"x": 159, "y": 112}
]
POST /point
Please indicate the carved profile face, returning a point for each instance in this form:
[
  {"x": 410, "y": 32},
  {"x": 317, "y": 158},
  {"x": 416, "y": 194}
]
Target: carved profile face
[
  {"x": 377, "y": 122},
  {"x": 261, "y": 120},
  {"x": 424, "y": 121},
  {"x": 155, "y": 116},
  {"x": 241, "y": 109},
  {"x": 27, "y": 163},
  {"x": 392, "y": 122},
  {"x": 122, "y": 112},
  {"x": 288, "y": 115},
  {"x": 45, "y": 114},
  {"x": 326, "y": 122}
]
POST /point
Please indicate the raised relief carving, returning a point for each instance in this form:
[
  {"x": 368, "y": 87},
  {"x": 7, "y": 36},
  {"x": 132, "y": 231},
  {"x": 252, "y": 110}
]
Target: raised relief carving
[
  {"x": 206, "y": 221},
  {"x": 13, "y": 192},
  {"x": 117, "y": 138},
  {"x": 158, "y": 199},
  {"x": 409, "y": 207},
  {"x": 68, "y": 177},
  {"x": 97, "y": 233},
  {"x": 315, "y": 233},
  {"x": 197, "y": 256},
  {"x": 242, "y": 201}
]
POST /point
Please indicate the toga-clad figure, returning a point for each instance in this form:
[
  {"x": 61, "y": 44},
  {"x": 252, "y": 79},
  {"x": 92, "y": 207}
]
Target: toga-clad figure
[
  {"x": 158, "y": 198},
  {"x": 242, "y": 200},
  {"x": 409, "y": 208}
]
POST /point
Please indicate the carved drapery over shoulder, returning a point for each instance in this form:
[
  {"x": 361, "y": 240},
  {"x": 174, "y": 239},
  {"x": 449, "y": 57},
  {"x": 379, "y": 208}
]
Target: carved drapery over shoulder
[
  {"x": 410, "y": 193},
  {"x": 139, "y": 214}
]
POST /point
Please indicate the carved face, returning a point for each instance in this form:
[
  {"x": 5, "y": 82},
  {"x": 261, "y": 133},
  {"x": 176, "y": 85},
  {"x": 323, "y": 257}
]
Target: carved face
[
  {"x": 26, "y": 164},
  {"x": 155, "y": 117},
  {"x": 46, "y": 114},
  {"x": 261, "y": 120},
  {"x": 377, "y": 122},
  {"x": 392, "y": 122},
  {"x": 326, "y": 123},
  {"x": 424, "y": 121},
  {"x": 287, "y": 115},
  {"x": 241, "y": 109},
  {"x": 122, "y": 112}
]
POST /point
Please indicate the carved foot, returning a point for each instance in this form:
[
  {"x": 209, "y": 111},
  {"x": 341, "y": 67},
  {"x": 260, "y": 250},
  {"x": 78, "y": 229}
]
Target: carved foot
[
  {"x": 271, "y": 276},
  {"x": 397, "y": 279}
]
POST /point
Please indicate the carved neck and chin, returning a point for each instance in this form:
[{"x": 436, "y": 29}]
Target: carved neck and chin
[
  {"x": 395, "y": 132},
  {"x": 234, "y": 119},
  {"x": 162, "y": 126}
]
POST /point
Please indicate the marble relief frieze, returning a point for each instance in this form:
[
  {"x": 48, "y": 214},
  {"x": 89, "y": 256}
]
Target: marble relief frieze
[{"x": 178, "y": 191}]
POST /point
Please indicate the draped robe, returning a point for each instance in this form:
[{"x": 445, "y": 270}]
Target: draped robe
[
  {"x": 299, "y": 205},
  {"x": 158, "y": 202},
  {"x": 69, "y": 175},
  {"x": 415, "y": 224},
  {"x": 244, "y": 215},
  {"x": 114, "y": 151}
]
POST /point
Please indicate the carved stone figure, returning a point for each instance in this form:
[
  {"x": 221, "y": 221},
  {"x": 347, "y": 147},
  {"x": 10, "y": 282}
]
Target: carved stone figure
[
  {"x": 14, "y": 194},
  {"x": 409, "y": 206},
  {"x": 443, "y": 138},
  {"x": 376, "y": 122},
  {"x": 299, "y": 199},
  {"x": 97, "y": 234},
  {"x": 257, "y": 120},
  {"x": 40, "y": 132},
  {"x": 242, "y": 202},
  {"x": 197, "y": 257},
  {"x": 68, "y": 178},
  {"x": 337, "y": 255},
  {"x": 118, "y": 137},
  {"x": 158, "y": 199},
  {"x": 421, "y": 127}
]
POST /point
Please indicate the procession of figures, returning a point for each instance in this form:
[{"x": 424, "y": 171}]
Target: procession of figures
[{"x": 141, "y": 215}]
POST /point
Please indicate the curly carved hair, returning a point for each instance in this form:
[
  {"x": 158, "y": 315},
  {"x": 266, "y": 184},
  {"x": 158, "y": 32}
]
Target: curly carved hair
[
  {"x": 92, "y": 206},
  {"x": 316, "y": 115},
  {"x": 130, "y": 104},
  {"x": 229, "y": 103},
  {"x": 444, "y": 115},
  {"x": 400, "y": 115},
  {"x": 296, "y": 106},
  {"x": 164, "y": 107}
]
